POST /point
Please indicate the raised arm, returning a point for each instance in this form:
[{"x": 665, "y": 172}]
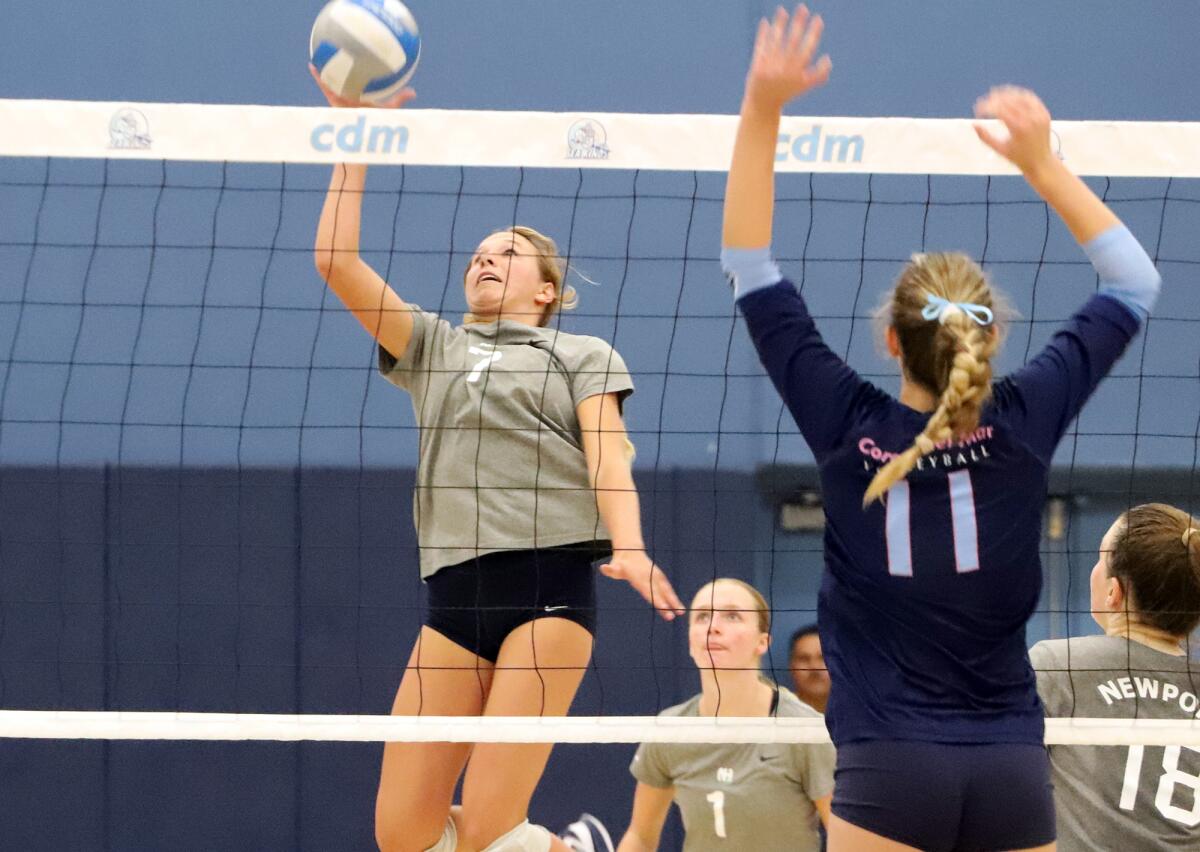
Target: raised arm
[
  {"x": 820, "y": 390},
  {"x": 374, "y": 304},
  {"x": 782, "y": 69},
  {"x": 1045, "y": 395},
  {"x": 1027, "y": 147},
  {"x": 1126, "y": 272}
]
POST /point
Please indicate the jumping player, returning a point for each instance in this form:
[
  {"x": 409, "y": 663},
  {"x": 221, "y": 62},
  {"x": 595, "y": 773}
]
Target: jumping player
[{"x": 524, "y": 481}]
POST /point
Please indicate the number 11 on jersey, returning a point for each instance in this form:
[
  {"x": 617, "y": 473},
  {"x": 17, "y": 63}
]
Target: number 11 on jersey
[{"x": 898, "y": 526}]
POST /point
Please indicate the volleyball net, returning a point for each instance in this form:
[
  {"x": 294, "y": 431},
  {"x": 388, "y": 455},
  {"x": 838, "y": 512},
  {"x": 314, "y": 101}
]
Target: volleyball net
[{"x": 206, "y": 526}]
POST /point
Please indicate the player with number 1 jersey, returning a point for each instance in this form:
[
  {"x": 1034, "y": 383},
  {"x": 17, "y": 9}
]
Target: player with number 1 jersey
[
  {"x": 765, "y": 797},
  {"x": 933, "y": 500}
]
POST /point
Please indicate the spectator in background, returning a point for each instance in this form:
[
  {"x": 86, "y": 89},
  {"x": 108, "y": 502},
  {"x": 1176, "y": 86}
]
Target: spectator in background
[{"x": 810, "y": 678}]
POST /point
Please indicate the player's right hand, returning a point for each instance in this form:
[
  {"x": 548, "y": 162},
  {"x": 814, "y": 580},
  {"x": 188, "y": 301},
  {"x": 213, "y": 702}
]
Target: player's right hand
[
  {"x": 782, "y": 67},
  {"x": 397, "y": 100}
]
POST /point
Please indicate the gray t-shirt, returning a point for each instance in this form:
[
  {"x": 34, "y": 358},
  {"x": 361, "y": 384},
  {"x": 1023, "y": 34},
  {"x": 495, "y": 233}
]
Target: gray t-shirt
[
  {"x": 502, "y": 464},
  {"x": 734, "y": 796},
  {"x": 1121, "y": 798}
]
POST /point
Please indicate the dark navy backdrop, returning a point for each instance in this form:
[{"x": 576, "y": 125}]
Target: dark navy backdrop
[{"x": 273, "y": 591}]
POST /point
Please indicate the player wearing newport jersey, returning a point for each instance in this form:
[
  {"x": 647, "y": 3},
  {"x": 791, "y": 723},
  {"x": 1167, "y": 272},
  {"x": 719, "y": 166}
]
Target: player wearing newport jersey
[
  {"x": 933, "y": 501},
  {"x": 1145, "y": 595},
  {"x": 752, "y": 796},
  {"x": 523, "y": 482}
]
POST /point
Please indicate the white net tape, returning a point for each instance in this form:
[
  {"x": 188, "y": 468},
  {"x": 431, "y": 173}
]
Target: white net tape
[
  {"x": 512, "y": 729},
  {"x": 209, "y": 132}
]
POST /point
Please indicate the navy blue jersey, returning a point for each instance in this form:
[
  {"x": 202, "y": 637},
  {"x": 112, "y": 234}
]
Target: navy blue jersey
[{"x": 924, "y": 600}]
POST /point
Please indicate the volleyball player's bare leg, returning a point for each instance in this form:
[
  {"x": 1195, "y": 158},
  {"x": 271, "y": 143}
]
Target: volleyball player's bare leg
[
  {"x": 847, "y": 837},
  {"x": 416, "y": 785},
  {"x": 538, "y": 672}
]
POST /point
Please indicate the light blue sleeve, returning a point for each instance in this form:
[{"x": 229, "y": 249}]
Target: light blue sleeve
[
  {"x": 750, "y": 269},
  {"x": 1126, "y": 272}
]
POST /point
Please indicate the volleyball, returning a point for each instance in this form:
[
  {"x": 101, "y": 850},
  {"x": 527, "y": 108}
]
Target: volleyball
[{"x": 365, "y": 49}]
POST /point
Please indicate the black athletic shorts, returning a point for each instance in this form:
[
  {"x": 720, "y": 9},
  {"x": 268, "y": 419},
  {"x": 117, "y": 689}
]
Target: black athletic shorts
[
  {"x": 476, "y": 604},
  {"x": 943, "y": 797}
]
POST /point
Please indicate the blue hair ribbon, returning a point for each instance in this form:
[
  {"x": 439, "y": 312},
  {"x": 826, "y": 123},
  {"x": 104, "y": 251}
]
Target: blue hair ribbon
[{"x": 936, "y": 308}]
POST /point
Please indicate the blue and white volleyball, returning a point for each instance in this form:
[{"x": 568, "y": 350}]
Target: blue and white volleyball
[{"x": 365, "y": 49}]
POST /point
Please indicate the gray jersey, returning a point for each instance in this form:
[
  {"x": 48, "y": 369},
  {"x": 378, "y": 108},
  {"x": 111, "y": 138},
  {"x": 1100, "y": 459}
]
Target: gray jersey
[
  {"x": 1121, "y": 798},
  {"x": 502, "y": 464},
  {"x": 736, "y": 797}
]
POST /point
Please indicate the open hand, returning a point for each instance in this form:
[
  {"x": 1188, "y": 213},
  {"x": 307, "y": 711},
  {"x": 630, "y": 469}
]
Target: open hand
[
  {"x": 397, "y": 100},
  {"x": 1027, "y": 121},
  {"x": 639, "y": 571},
  {"x": 783, "y": 66}
]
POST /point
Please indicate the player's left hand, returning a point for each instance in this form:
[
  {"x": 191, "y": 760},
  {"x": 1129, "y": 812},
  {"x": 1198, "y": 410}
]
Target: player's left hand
[{"x": 648, "y": 580}]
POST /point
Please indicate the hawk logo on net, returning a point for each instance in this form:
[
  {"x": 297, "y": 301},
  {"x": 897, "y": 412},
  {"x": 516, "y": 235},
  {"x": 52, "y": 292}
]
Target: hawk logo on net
[
  {"x": 587, "y": 140},
  {"x": 128, "y": 129}
]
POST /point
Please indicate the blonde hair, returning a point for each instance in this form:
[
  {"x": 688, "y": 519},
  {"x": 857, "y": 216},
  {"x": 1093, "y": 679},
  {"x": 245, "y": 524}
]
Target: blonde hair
[
  {"x": 1157, "y": 560},
  {"x": 951, "y": 356},
  {"x": 761, "y": 609},
  {"x": 551, "y": 267}
]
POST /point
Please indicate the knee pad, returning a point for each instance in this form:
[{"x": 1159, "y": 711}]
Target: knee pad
[
  {"x": 449, "y": 839},
  {"x": 526, "y": 837}
]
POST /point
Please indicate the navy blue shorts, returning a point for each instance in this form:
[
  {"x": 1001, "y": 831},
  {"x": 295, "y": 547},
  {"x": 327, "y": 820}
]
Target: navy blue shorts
[
  {"x": 476, "y": 604},
  {"x": 942, "y": 797}
]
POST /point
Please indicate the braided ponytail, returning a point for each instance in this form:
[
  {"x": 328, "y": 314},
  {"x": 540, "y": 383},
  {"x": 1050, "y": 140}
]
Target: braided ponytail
[{"x": 950, "y": 355}]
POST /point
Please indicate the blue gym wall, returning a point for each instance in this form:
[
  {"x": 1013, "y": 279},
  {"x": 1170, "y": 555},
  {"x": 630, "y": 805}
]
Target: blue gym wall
[{"x": 200, "y": 569}]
